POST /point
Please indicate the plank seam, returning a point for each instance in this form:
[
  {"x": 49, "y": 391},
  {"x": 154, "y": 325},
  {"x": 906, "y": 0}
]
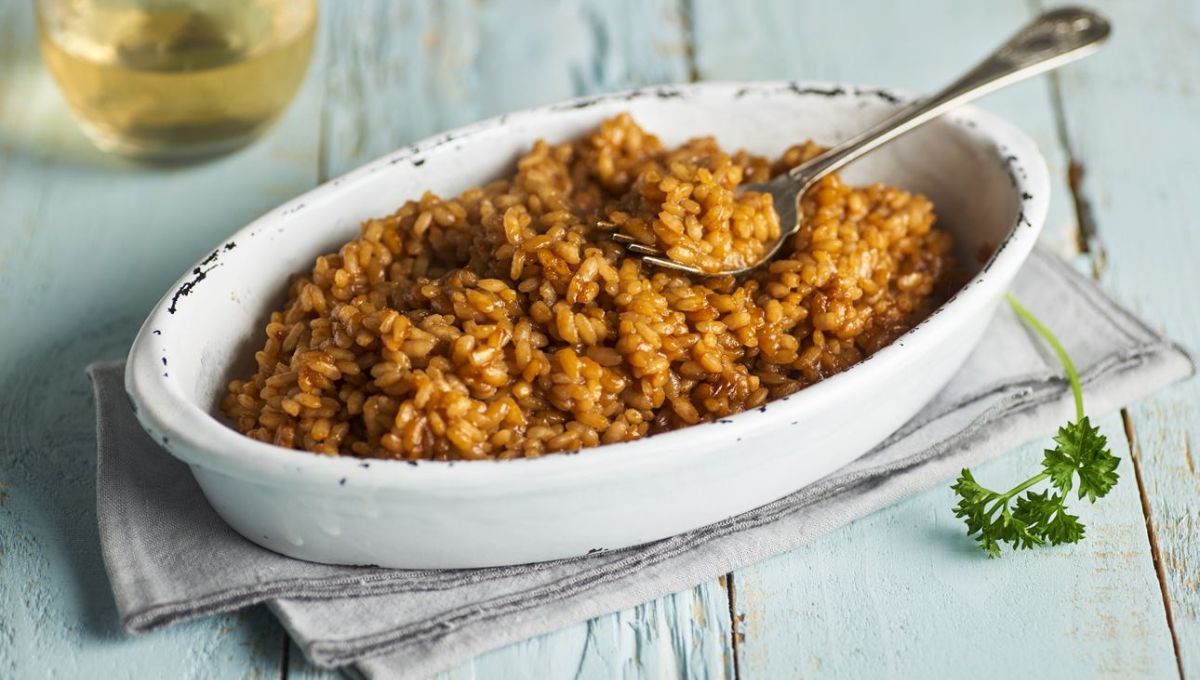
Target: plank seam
[
  {"x": 328, "y": 37},
  {"x": 588, "y": 639},
  {"x": 1090, "y": 245},
  {"x": 687, "y": 13},
  {"x": 1155, "y": 553},
  {"x": 1087, "y": 236},
  {"x": 733, "y": 626}
]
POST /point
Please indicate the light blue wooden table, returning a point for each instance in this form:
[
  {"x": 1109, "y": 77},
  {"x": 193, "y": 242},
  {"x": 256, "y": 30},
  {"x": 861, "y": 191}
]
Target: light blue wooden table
[{"x": 88, "y": 242}]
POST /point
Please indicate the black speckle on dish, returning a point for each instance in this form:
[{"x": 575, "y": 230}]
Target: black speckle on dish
[
  {"x": 1022, "y": 219},
  {"x": 364, "y": 465},
  {"x": 580, "y": 104},
  {"x": 725, "y": 421},
  {"x": 739, "y": 439},
  {"x": 211, "y": 257},
  {"x": 411, "y": 462},
  {"x": 762, "y": 409},
  {"x": 884, "y": 95},
  {"x": 593, "y": 551},
  {"x": 742, "y": 92},
  {"x": 795, "y": 422},
  {"x": 165, "y": 374},
  {"x": 418, "y": 162},
  {"x": 198, "y": 275},
  {"x": 440, "y": 141},
  {"x": 1025, "y": 195},
  {"x": 294, "y": 209},
  {"x": 164, "y": 360},
  {"x": 823, "y": 92},
  {"x": 667, "y": 93},
  {"x": 986, "y": 267},
  {"x": 166, "y": 441},
  {"x": 1010, "y": 164},
  {"x": 342, "y": 481},
  {"x": 157, "y": 332}
]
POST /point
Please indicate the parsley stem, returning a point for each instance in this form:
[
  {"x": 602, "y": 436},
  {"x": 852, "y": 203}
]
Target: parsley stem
[
  {"x": 1068, "y": 365},
  {"x": 1003, "y": 499},
  {"x": 1080, "y": 453},
  {"x": 1016, "y": 490}
]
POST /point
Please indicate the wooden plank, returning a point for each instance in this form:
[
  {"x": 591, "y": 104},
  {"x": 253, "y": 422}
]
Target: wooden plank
[
  {"x": 681, "y": 635},
  {"x": 1130, "y": 114},
  {"x": 403, "y": 71},
  {"x": 87, "y": 244},
  {"x": 916, "y": 46},
  {"x": 1057, "y": 613},
  {"x": 903, "y": 593}
]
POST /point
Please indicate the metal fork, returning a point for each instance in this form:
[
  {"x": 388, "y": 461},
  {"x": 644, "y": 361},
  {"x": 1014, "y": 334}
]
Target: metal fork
[{"x": 1049, "y": 41}]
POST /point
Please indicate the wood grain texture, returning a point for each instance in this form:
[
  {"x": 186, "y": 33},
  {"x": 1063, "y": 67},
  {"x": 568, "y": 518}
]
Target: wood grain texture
[
  {"x": 898, "y": 594},
  {"x": 903, "y": 593},
  {"x": 681, "y": 635},
  {"x": 792, "y": 610},
  {"x": 1130, "y": 114},
  {"x": 400, "y": 71},
  {"x": 405, "y": 70},
  {"x": 917, "y": 46},
  {"x": 87, "y": 244}
]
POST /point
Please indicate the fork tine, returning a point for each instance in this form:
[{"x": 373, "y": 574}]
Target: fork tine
[
  {"x": 641, "y": 249},
  {"x": 634, "y": 246},
  {"x": 650, "y": 254},
  {"x": 672, "y": 264}
]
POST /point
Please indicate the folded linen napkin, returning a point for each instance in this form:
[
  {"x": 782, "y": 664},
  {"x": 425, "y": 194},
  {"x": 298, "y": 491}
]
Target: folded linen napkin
[{"x": 170, "y": 557}]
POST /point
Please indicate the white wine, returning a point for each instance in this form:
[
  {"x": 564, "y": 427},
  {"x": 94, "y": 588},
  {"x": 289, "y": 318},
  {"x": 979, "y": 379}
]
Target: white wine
[{"x": 176, "y": 78}]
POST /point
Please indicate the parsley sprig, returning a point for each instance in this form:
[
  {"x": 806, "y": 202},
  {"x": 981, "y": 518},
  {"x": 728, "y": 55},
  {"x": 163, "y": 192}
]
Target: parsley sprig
[{"x": 1080, "y": 461}]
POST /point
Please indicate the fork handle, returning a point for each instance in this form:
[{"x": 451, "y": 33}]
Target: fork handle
[{"x": 1052, "y": 39}]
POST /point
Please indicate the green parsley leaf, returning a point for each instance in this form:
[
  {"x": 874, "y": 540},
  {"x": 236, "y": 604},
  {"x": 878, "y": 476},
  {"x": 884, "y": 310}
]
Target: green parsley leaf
[{"x": 1080, "y": 460}]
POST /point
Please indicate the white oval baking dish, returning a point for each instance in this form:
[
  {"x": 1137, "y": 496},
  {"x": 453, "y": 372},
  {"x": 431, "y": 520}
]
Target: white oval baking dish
[{"x": 988, "y": 183}]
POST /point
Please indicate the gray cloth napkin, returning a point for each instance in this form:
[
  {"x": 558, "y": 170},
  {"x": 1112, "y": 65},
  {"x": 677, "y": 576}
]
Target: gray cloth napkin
[{"x": 171, "y": 558}]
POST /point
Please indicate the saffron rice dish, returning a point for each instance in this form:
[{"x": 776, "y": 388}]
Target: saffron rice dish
[{"x": 505, "y": 322}]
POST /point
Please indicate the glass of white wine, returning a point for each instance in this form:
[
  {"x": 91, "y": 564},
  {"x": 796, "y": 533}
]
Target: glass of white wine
[{"x": 176, "y": 79}]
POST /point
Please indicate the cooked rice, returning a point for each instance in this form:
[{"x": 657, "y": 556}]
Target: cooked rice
[{"x": 505, "y": 323}]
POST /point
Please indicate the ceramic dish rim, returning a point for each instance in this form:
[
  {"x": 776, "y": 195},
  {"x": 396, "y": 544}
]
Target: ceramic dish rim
[{"x": 167, "y": 412}]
